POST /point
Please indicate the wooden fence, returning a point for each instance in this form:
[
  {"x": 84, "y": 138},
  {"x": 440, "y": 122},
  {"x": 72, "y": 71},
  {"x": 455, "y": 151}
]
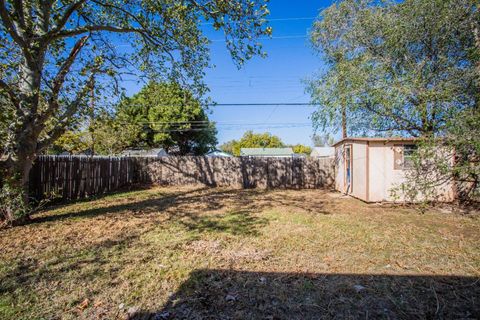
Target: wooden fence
[
  {"x": 243, "y": 172},
  {"x": 76, "y": 177}
]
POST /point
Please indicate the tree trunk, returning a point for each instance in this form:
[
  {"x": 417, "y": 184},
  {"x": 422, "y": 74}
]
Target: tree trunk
[
  {"x": 21, "y": 152},
  {"x": 344, "y": 122},
  {"x": 16, "y": 206},
  {"x": 21, "y": 147}
]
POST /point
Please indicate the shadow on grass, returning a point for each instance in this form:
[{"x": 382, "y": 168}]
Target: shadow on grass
[
  {"x": 210, "y": 199},
  {"x": 222, "y": 294},
  {"x": 157, "y": 203},
  {"x": 185, "y": 208},
  {"x": 235, "y": 223}
]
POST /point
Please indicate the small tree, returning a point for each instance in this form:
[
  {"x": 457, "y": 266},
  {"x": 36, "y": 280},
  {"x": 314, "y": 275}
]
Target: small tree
[
  {"x": 452, "y": 160},
  {"x": 51, "y": 51},
  {"x": 103, "y": 136},
  {"x": 302, "y": 149},
  {"x": 252, "y": 140}
]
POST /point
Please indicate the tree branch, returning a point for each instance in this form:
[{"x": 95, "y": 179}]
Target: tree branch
[
  {"x": 60, "y": 78},
  {"x": 63, "y": 121},
  {"x": 18, "y": 6},
  {"x": 67, "y": 14},
  {"x": 8, "y": 23},
  {"x": 86, "y": 29}
]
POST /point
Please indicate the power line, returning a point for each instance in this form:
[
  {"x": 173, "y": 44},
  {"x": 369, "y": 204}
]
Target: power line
[
  {"x": 211, "y": 128},
  {"x": 245, "y": 104},
  {"x": 270, "y": 20},
  {"x": 265, "y": 104},
  {"x": 269, "y": 38},
  {"x": 209, "y": 122}
]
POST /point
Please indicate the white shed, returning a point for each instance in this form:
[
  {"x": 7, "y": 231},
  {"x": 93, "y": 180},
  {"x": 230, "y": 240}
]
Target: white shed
[{"x": 369, "y": 168}]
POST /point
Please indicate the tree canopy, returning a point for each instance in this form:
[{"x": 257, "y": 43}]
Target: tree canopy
[
  {"x": 322, "y": 140},
  {"x": 395, "y": 68},
  {"x": 170, "y": 117}
]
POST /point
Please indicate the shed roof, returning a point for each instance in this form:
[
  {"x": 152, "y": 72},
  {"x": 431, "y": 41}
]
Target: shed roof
[
  {"x": 218, "y": 153},
  {"x": 375, "y": 139},
  {"x": 155, "y": 152},
  {"x": 267, "y": 152}
]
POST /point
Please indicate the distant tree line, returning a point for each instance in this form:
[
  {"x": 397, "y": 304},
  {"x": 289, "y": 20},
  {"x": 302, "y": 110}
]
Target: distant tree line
[{"x": 260, "y": 140}]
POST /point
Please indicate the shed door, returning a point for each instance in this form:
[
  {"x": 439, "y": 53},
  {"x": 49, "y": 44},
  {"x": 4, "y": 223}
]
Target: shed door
[{"x": 348, "y": 168}]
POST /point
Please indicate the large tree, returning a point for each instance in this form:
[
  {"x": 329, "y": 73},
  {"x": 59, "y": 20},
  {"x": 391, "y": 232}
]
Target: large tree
[
  {"x": 170, "y": 117},
  {"x": 51, "y": 51},
  {"x": 394, "y": 67}
]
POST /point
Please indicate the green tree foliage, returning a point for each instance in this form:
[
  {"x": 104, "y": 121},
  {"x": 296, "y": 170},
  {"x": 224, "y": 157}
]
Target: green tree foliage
[
  {"x": 6, "y": 116},
  {"x": 463, "y": 136},
  {"x": 302, "y": 149},
  {"x": 170, "y": 117},
  {"x": 322, "y": 140},
  {"x": 102, "y": 136},
  {"x": 397, "y": 67},
  {"x": 72, "y": 142},
  {"x": 51, "y": 52},
  {"x": 252, "y": 140}
]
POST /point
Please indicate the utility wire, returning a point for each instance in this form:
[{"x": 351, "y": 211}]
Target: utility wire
[
  {"x": 211, "y": 128},
  {"x": 300, "y": 36},
  {"x": 273, "y": 19},
  {"x": 253, "y": 104},
  {"x": 214, "y": 122}
]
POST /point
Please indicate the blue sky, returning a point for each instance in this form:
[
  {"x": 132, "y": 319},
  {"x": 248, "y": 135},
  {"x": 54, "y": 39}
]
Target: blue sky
[{"x": 277, "y": 78}]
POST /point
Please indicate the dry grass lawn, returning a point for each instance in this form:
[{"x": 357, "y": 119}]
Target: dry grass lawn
[{"x": 197, "y": 253}]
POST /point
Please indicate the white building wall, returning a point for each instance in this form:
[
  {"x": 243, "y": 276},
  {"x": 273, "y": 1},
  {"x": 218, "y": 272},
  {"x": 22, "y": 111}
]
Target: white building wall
[
  {"x": 382, "y": 175},
  {"x": 385, "y": 180}
]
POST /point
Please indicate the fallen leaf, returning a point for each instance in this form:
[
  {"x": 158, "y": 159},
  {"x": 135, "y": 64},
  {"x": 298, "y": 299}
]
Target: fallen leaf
[{"x": 82, "y": 306}]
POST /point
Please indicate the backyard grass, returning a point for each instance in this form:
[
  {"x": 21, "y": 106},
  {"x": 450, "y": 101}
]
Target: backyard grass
[{"x": 198, "y": 253}]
